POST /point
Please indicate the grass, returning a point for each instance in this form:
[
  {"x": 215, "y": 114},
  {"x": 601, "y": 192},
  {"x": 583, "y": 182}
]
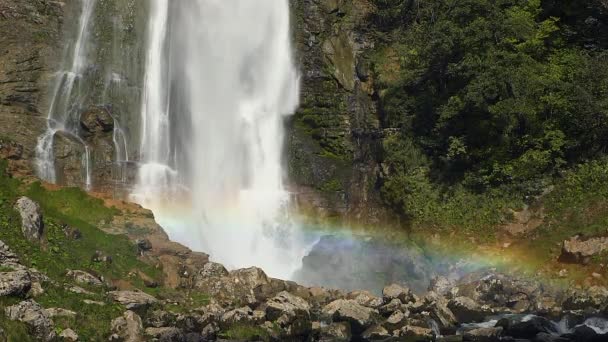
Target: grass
[{"x": 245, "y": 332}]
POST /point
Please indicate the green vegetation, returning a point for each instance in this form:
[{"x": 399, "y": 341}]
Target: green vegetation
[
  {"x": 73, "y": 209},
  {"x": 244, "y": 332},
  {"x": 491, "y": 102}
]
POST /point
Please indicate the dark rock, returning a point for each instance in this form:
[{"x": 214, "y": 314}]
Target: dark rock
[
  {"x": 164, "y": 334},
  {"x": 525, "y": 327},
  {"x": 32, "y": 224},
  {"x": 71, "y": 233},
  {"x": 242, "y": 315},
  {"x": 415, "y": 333},
  {"x": 544, "y": 337},
  {"x": 97, "y": 120},
  {"x": 143, "y": 245},
  {"x": 100, "y": 256}
]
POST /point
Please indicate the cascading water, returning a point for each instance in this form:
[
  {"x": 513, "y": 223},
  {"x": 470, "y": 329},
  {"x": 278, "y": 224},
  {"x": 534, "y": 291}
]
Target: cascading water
[
  {"x": 219, "y": 81},
  {"x": 66, "y": 102}
]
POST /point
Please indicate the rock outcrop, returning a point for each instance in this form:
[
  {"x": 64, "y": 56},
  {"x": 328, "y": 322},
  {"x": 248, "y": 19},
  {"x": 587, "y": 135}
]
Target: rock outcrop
[{"x": 32, "y": 224}]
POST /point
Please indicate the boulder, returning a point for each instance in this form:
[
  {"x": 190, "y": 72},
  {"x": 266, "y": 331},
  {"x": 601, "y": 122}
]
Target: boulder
[
  {"x": 291, "y": 313},
  {"x": 16, "y": 283},
  {"x": 32, "y": 224},
  {"x": 483, "y": 334},
  {"x": 133, "y": 299},
  {"x": 69, "y": 335},
  {"x": 334, "y": 332},
  {"x": 376, "y": 333},
  {"x": 467, "y": 310},
  {"x": 395, "y": 321},
  {"x": 33, "y": 315},
  {"x": 579, "y": 249},
  {"x": 365, "y": 298},
  {"x": 415, "y": 333},
  {"x": 525, "y": 327},
  {"x": 164, "y": 334},
  {"x": 8, "y": 258},
  {"x": 437, "y": 306},
  {"x": 395, "y": 291},
  {"x": 593, "y": 299},
  {"x": 84, "y": 278},
  {"x": 127, "y": 328},
  {"x": 358, "y": 316},
  {"x": 244, "y": 315}
]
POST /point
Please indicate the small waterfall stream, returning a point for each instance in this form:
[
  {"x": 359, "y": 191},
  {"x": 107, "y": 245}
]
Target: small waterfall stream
[
  {"x": 219, "y": 81},
  {"x": 66, "y": 101}
]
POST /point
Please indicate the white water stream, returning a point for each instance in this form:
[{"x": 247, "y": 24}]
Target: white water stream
[
  {"x": 64, "y": 110},
  {"x": 219, "y": 81}
]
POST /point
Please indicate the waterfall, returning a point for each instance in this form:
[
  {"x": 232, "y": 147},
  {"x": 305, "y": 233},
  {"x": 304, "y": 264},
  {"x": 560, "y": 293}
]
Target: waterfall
[
  {"x": 219, "y": 82},
  {"x": 66, "y": 101}
]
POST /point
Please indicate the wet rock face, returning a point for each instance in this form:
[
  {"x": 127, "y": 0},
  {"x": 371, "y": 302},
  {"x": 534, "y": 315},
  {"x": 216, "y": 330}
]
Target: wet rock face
[
  {"x": 32, "y": 225},
  {"x": 333, "y": 139},
  {"x": 96, "y": 120}
]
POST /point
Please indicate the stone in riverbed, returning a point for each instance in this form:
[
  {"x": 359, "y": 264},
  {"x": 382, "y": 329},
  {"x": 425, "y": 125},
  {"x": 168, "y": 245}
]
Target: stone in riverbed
[
  {"x": 483, "y": 334},
  {"x": 334, "y": 332},
  {"x": 395, "y": 291},
  {"x": 467, "y": 310}
]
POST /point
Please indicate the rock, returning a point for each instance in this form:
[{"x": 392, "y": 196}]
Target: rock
[
  {"x": 483, "y": 334},
  {"x": 359, "y": 316},
  {"x": 395, "y": 321},
  {"x": 165, "y": 334},
  {"x": 242, "y": 315},
  {"x": 84, "y": 278},
  {"x": 78, "y": 290},
  {"x": 544, "y": 337},
  {"x": 133, "y": 299},
  {"x": 69, "y": 335},
  {"x": 58, "y": 312},
  {"x": 394, "y": 305},
  {"x": 467, "y": 310},
  {"x": 16, "y": 283},
  {"x": 128, "y": 328},
  {"x": 36, "y": 290},
  {"x": 92, "y": 302},
  {"x": 143, "y": 245},
  {"x": 291, "y": 313},
  {"x": 37, "y": 320},
  {"x": 376, "y": 333},
  {"x": 97, "y": 120},
  {"x": 71, "y": 233},
  {"x": 580, "y": 250},
  {"x": 32, "y": 224},
  {"x": 395, "y": 291},
  {"x": 334, "y": 332},
  {"x": 414, "y": 333},
  {"x": 209, "y": 332},
  {"x": 525, "y": 327},
  {"x": 365, "y": 298},
  {"x": 594, "y": 298},
  {"x": 159, "y": 319},
  {"x": 441, "y": 285},
  {"x": 100, "y": 256},
  {"x": 213, "y": 269},
  {"x": 8, "y": 258},
  {"x": 438, "y": 308}
]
